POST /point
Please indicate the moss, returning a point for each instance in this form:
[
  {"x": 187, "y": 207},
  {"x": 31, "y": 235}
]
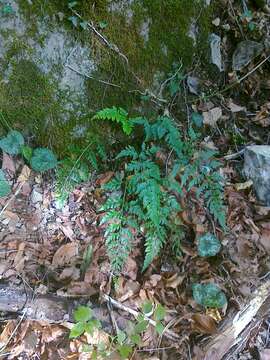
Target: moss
[
  {"x": 168, "y": 43},
  {"x": 32, "y": 101}
]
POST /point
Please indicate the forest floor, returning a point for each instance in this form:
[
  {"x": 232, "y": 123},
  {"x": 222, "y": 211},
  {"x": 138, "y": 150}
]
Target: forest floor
[{"x": 47, "y": 251}]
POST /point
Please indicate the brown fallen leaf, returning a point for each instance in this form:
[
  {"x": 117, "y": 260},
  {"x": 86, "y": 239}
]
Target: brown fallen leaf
[
  {"x": 8, "y": 163},
  {"x": 65, "y": 254},
  {"x": 265, "y": 239},
  {"x": 243, "y": 186},
  {"x": 204, "y": 323},
  {"x": 174, "y": 281},
  {"x": 25, "y": 174},
  {"x": 212, "y": 116},
  {"x": 235, "y": 108},
  {"x": 67, "y": 230}
]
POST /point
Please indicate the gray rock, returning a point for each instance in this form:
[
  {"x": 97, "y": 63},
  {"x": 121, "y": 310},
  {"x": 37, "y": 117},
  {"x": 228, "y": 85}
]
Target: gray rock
[
  {"x": 36, "y": 197},
  {"x": 245, "y": 52},
  {"x": 257, "y": 169}
]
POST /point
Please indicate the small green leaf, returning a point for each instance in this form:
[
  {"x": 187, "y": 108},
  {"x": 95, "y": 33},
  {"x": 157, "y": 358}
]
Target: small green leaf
[
  {"x": 72, "y": 4},
  {"x": 83, "y": 313},
  {"x": 77, "y": 330},
  {"x": 11, "y": 144},
  {"x": 121, "y": 337},
  {"x": 208, "y": 245},
  {"x": 27, "y": 152},
  {"x": 136, "y": 339},
  {"x": 43, "y": 159},
  {"x": 5, "y": 188},
  {"x": 7, "y": 9},
  {"x": 74, "y": 20},
  {"x": 197, "y": 119},
  {"x": 124, "y": 351},
  {"x": 103, "y": 24},
  {"x": 209, "y": 295},
  {"x": 147, "y": 308},
  {"x": 159, "y": 313},
  {"x": 140, "y": 327},
  {"x": 84, "y": 24},
  {"x": 92, "y": 325},
  {"x": 159, "y": 328}
]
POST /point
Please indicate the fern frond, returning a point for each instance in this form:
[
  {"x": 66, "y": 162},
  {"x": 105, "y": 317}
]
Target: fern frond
[{"x": 118, "y": 115}]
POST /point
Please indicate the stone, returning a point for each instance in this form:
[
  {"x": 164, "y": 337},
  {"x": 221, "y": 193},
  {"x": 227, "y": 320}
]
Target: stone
[
  {"x": 245, "y": 52},
  {"x": 257, "y": 169},
  {"x": 36, "y": 197}
]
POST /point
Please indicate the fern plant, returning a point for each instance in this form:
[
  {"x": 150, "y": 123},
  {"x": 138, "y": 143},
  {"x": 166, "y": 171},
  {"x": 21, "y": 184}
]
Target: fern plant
[{"x": 147, "y": 202}]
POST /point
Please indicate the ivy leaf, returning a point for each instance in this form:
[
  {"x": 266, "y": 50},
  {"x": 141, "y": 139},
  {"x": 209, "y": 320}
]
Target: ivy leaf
[
  {"x": 43, "y": 159},
  {"x": 5, "y": 188},
  {"x": 77, "y": 330},
  {"x": 7, "y": 9},
  {"x": 209, "y": 295},
  {"x": 159, "y": 313},
  {"x": 208, "y": 245},
  {"x": 83, "y": 313},
  {"x": 11, "y": 144},
  {"x": 27, "y": 152}
]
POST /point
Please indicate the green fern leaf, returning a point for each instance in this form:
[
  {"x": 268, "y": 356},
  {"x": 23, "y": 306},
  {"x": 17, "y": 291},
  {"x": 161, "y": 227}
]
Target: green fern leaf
[{"x": 118, "y": 115}]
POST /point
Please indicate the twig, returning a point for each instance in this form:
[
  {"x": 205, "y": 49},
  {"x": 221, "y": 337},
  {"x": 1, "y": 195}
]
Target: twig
[
  {"x": 238, "y": 81},
  {"x": 161, "y": 88},
  {"x": 102, "y": 37},
  {"x": 91, "y": 77},
  {"x": 13, "y": 332},
  {"x": 115, "y": 48},
  {"x": 12, "y": 197},
  {"x": 168, "y": 333},
  {"x": 234, "y": 156}
]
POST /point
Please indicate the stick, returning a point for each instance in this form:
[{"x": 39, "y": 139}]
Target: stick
[
  {"x": 91, "y": 77},
  {"x": 168, "y": 333},
  {"x": 102, "y": 37}
]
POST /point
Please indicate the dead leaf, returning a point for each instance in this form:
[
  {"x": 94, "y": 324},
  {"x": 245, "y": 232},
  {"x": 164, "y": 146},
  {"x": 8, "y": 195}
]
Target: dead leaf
[
  {"x": 25, "y": 174},
  {"x": 174, "y": 281},
  {"x": 65, "y": 254},
  {"x": 243, "y": 186},
  {"x": 265, "y": 239},
  {"x": 8, "y": 163},
  {"x": 235, "y": 108},
  {"x": 204, "y": 323},
  {"x": 103, "y": 179},
  {"x": 66, "y": 228},
  {"x": 212, "y": 116}
]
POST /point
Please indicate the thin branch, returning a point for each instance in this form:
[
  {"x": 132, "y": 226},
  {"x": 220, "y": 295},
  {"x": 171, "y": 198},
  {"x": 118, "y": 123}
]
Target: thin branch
[
  {"x": 111, "y": 46},
  {"x": 168, "y": 333},
  {"x": 13, "y": 332},
  {"x": 91, "y": 77},
  {"x": 12, "y": 197},
  {"x": 234, "y": 156}
]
